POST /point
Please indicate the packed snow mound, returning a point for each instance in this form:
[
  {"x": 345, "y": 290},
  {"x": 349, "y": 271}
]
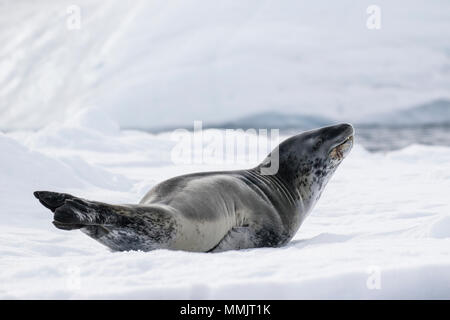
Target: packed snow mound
[
  {"x": 441, "y": 228},
  {"x": 380, "y": 230},
  {"x": 88, "y": 129},
  {"x": 20, "y": 166},
  {"x": 93, "y": 119},
  {"x": 23, "y": 171}
]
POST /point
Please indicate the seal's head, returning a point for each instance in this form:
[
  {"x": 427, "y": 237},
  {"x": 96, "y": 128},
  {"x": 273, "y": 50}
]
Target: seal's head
[{"x": 308, "y": 160}]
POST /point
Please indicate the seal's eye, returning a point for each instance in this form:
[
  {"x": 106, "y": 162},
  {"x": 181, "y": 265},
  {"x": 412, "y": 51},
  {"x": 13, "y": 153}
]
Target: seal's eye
[{"x": 318, "y": 144}]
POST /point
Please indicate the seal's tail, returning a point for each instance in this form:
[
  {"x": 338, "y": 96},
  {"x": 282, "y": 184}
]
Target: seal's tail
[{"x": 74, "y": 213}]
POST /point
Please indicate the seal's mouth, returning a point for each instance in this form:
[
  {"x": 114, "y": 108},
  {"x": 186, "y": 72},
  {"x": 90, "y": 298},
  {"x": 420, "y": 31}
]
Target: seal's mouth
[{"x": 342, "y": 150}]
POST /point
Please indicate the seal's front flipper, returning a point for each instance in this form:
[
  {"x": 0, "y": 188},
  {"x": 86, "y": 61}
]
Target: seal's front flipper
[{"x": 236, "y": 238}]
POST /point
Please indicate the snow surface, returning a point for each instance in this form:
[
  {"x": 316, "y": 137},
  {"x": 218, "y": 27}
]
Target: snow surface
[{"x": 384, "y": 214}]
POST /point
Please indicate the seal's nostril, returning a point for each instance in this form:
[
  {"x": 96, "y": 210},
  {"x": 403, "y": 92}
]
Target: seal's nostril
[
  {"x": 349, "y": 127},
  {"x": 346, "y": 126}
]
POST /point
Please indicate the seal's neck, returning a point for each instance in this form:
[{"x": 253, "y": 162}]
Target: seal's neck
[
  {"x": 304, "y": 182},
  {"x": 311, "y": 185}
]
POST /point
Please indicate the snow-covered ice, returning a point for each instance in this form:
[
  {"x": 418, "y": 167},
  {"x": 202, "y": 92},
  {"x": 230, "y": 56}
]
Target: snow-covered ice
[{"x": 381, "y": 229}]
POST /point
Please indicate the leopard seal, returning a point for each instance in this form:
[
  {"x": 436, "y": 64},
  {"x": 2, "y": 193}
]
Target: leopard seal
[{"x": 216, "y": 211}]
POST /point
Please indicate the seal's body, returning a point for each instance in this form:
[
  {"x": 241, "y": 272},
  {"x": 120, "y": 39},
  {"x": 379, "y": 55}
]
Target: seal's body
[{"x": 216, "y": 211}]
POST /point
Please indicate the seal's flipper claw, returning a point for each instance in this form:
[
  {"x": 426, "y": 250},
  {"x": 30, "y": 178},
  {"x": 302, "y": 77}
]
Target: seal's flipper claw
[{"x": 52, "y": 200}]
